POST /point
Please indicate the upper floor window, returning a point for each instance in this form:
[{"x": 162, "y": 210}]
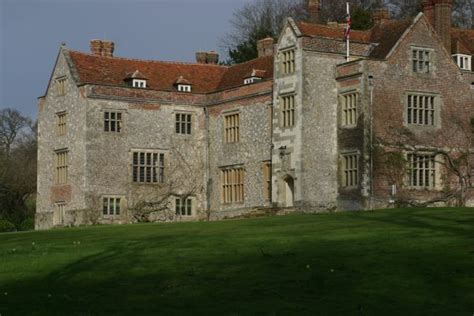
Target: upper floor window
[
  {"x": 139, "y": 83},
  {"x": 288, "y": 61},
  {"x": 421, "y": 109},
  {"x": 110, "y": 206},
  {"x": 62, "y": 123},
  {"x": 61, "y": 85},
  {"x": 232, "y": 128},
  {"x": 112, "y": 121},
  {"x": 183, "y": 123},
  {"x": 350, "y": 170},
  {"x": 148, "y": 167},
  {"x": 463, "y": 61},
  {"x": 61, "y": 166},
  {"x": 232, "y": 180},
  {"x": 184, "y": 88},
  {"x": 421, "y": 170},
  {"x": 288, "y": 110},
  {"x": 184, "y": 206},
  {"x": 252, "y": 80},
  {"x": 421, "y": 60},
  {"x": 349, "y": 109}
]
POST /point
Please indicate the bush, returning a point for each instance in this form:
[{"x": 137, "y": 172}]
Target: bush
[
  {"x": 6, "y": 226},
  {"x": 28, "y": 224}
]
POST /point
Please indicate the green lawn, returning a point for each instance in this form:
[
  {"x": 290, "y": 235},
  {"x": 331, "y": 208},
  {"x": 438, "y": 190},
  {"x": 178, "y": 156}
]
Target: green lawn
[{"x": 394, "y": 262}]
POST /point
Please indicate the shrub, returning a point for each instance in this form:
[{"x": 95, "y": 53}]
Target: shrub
[
  {"x": 28, "y": 224},
  {"x": 6, "y": 226}
]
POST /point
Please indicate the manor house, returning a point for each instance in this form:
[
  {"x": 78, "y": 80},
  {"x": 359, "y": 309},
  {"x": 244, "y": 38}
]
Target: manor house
[{"x": 300, "y": 128}]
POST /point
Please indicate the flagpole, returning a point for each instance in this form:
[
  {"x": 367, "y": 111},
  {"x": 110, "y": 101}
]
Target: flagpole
[{"x": 348, "y": 34}]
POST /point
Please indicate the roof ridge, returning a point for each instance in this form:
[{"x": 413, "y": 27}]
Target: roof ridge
[{"x": 154, "y": 61}]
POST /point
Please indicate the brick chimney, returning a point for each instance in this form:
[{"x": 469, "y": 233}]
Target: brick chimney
[
  {"x": 438, "y": 13},
  {"x": 428, "y": 10},
  {"x": 211, "y": 57},
  {"x": 265, "y": 47},
  {"x": 380, "y": 14},
  {"x": 102, "y": 48},
  {"x": 314, "y": 10}
]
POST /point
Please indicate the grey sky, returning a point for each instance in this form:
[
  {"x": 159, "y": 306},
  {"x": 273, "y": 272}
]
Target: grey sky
[{"x": 31, "y": 32}]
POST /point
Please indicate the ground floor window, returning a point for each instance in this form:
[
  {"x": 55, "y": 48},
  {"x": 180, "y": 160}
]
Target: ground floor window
[
  {"x": 421, "y": 170},
  {"x": 184, "y": 207},
  {"x": 111, "y": 206},
  {"x": 232, "y": 180},
  {"x": 58, "y": 215},
  {"x": 350, "y": 170}
]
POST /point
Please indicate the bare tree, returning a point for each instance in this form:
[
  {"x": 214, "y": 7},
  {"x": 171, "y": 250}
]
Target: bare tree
[
  {"x": 456, "y": 159},
  {"x": 182, "y": 180},
  {"x": 11, "y": 125}
]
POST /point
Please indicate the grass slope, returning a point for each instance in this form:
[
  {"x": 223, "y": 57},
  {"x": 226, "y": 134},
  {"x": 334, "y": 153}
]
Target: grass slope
[{"x": 394, "y": 262}]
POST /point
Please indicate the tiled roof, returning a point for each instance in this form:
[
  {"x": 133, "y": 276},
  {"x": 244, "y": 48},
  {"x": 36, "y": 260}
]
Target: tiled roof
[
  {"x": 319, "y": 30},
  {"x": 376, "y": 42},
  {"x": 161, "y": 75},
  {"x": 234, "y": 76},
  {"x": 256, "y": 73},
  {"x": 182, "y": 80},
  {"x": 462, "y": 41},
  {"x": 136, "y": 75},
  {"x": 386, "y": 34}
]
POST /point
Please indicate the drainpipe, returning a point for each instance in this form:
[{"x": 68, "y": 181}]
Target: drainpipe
[
  {"x": 371, "y": 140},
  {"x": 208, "y": 167}
]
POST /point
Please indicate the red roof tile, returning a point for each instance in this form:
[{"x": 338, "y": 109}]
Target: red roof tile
[
  {"x": 463, "y": 41},
  {"x": 163, "y": 76},
  {"x": 311, "y": 29},
  {"x": 234, "y": 76}
]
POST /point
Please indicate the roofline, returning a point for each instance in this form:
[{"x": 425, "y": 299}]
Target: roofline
[
  {"x": 155, "y": 61},
  {"x": 404, "y": 35}
]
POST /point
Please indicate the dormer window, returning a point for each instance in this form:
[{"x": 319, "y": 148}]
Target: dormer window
[
  {"x": 463, "y": 61},
  {"x": 252, "y": 80},
  {"x": 136, "y": 80},
  {"x": 255, "y": 76},
  {"x": 183, "y": 85},
  {"x": 137, "y": 83},
  {"x": 184, "y": 88}
]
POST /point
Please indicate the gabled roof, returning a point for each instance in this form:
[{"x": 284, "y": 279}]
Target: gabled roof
[
  {"x": 162, "y": 75},
  {"x": 136, "y": 75},
  {"x": 376, "y": 42}
]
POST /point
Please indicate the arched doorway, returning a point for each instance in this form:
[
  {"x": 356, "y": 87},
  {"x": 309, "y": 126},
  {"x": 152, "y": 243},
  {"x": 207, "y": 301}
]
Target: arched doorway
[{"x": 289, "y": 191}]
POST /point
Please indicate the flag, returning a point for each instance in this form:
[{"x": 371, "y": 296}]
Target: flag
[{"x": 347, "y": 30}]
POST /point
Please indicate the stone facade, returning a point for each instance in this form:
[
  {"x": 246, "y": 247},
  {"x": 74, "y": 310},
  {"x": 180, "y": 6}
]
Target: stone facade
[{"x": 285, "y": 166}]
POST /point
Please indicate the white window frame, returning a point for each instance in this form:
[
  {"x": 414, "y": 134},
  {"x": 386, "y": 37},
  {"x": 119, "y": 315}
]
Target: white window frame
[
  {"x": 184, "y": 88},
  {"x": 139, "y": 83},
  {"x": 464, "y": 62},
  {"x": 252, "y": 80}
]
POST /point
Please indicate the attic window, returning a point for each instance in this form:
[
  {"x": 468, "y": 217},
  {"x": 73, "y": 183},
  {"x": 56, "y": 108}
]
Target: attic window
[
  {"x": 252, "y": 80},
  {"x": 184, "y": 87},
  {"x": 463, "y": 61},
  {"x": 139, "y": 83}
]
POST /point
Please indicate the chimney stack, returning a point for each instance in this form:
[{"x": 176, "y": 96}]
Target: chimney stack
[
  {"x": 438, "y": 13},
  {"x": 102, "y": 48},
  {"x": 314, "y": 10},
  {"x": 211, "y": 57},
  {"x": 265, "y": 47},
  {"x": 380, "y": 14}
]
